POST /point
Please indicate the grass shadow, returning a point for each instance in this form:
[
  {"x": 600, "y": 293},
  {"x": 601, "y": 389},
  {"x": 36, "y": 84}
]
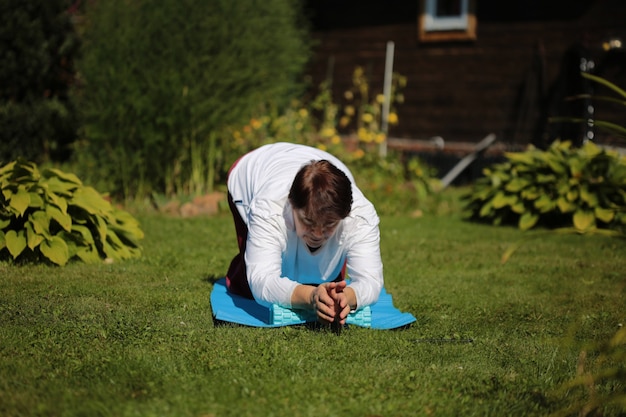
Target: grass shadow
[{"x": 211, "y": 278}]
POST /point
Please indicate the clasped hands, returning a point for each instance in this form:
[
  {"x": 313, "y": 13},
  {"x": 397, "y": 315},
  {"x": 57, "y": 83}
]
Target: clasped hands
[{"x": 330, "y": 301}]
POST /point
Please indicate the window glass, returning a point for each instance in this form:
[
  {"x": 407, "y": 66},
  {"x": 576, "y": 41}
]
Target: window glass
[
  {"x": 446, "y": 15},
  {"x": 446, "y": 20}
]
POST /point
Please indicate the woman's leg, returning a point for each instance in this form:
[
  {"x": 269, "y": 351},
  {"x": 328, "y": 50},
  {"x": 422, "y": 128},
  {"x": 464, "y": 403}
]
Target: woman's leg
[{"x": 236, "y": 278}]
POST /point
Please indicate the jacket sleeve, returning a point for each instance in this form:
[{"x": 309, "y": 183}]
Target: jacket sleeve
[
  {"x": 263, "y": 257},
  {"x": 364, "y": 263}
]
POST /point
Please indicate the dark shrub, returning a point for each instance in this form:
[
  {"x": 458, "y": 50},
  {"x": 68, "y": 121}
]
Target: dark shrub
[
  {"x": 37, "y": 48},
  {"x": 161, "y": 77}
]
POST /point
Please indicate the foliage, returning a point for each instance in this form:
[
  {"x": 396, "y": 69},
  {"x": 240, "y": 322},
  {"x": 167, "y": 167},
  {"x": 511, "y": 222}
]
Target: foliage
[
  {"x": 295, "y": 124},
  {"x": 162, "y": 77},
  {"x": 619, "y": 99},
  {"x": 37, "y": 49},
  {"x": 393, "y": 183},
  {"x": 50, "y": 214},
  {"x": 363, "y": 109},
  {"x": 599, "y": 387},
  {"x": 562, "y": 186}
]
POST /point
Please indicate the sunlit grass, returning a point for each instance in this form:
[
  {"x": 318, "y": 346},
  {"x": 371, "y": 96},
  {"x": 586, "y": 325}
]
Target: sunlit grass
[{"x": 137, "y": 338}]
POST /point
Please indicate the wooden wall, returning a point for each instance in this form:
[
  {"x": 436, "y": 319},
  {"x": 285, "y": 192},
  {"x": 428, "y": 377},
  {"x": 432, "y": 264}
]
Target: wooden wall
[{"x": 505, "y": 82}]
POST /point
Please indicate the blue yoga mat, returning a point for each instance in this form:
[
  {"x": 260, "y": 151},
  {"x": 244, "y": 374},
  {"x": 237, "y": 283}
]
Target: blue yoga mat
[{"x": 232, "y": 308}]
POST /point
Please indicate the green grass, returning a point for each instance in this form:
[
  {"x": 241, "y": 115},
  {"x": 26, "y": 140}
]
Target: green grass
[{"x": 137, "y": 338}]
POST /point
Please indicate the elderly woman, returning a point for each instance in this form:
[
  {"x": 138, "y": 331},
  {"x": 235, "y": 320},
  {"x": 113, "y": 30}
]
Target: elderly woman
[{"x": 301, "y": 224}]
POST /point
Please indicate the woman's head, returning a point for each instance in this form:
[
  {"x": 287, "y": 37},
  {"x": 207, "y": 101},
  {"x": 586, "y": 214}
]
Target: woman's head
[{"x": 321, "y": 195}]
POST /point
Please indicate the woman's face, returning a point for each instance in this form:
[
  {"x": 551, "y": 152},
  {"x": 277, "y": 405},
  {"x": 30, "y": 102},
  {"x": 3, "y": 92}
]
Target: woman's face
[{"x": 314, "y": 235}]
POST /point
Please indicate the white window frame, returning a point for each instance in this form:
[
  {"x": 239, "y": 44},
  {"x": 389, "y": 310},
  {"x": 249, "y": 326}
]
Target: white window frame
[
  {"x": 446, "y": 28},
  {"x": 434, "y": 23}
]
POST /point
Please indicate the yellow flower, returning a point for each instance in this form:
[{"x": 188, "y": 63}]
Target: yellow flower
[
  {"x": 255, "y": 123},
  {"x": 365, "y": 135},
  {"x": 303, "y": 113},
  {"x": 343, "y": 122},
  {"x": 349, "y": 110},
  {"x": 328, "y": 132},
  {"x": 392, "y": 119},
  {"x": 380, "y": 138},
  {"x": 368, "y": 118},
  {"x": 321, "y": 146},
  {"x": 362, "y": 134},
  {"x": 358, "y": 154},
  {"x": 348, "y": 95},
  {"x": 335, "y": 140},
  {"x": 380, "y": 98}
]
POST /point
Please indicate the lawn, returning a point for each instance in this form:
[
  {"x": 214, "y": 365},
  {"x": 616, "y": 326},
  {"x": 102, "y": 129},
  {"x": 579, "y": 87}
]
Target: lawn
[{"x": 137, "y": 337}]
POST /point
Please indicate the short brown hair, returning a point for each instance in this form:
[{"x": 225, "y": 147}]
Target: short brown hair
[{"x": 323, "y": 191}]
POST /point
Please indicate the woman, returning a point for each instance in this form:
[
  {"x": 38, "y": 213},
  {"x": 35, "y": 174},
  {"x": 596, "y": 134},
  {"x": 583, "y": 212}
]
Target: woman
[{"x": 301, "y": 222}]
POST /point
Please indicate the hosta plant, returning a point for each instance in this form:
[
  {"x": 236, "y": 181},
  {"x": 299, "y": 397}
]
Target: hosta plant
[
  {"x": 583, "y": 188},
  {"x": 50, "y": 215}
]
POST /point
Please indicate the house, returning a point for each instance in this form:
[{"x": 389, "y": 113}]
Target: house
[{"x": 506, "y": 69}]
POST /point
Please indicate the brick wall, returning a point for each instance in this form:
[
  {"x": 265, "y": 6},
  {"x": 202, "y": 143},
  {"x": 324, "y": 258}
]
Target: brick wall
[{"x": 462, "y": 91}]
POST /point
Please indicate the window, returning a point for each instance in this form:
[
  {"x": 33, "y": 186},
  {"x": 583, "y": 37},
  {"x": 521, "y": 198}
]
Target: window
[{"x": 446, "y": 20}]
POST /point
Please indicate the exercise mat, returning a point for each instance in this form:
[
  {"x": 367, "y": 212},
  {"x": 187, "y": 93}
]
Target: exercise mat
[{"x": 231, "y": 308}]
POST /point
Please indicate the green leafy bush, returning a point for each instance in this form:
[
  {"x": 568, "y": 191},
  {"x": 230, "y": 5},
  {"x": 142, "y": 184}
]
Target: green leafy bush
[
  {"x": 50, "y": 214},
  {"x": 562, "y": 186},
  {"x": 161, "y": 78}
]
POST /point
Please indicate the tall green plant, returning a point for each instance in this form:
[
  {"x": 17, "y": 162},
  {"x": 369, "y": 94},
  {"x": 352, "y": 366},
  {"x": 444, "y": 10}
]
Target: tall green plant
[
  {"x": 599, "y": 386},
  {"x": 50, "y": 214},
  {"x": 618, "y": 98},
  {"x": 162, "y": 77},
  {"x": 37, "y": 49}
]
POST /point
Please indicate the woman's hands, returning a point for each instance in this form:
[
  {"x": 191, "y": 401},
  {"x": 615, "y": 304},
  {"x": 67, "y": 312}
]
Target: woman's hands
[
  {"x": 329, "y": 300},
  {"x": 332, "y": 301}
]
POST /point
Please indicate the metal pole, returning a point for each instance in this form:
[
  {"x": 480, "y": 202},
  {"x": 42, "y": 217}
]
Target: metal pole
[{"x": 387, "y": 93}]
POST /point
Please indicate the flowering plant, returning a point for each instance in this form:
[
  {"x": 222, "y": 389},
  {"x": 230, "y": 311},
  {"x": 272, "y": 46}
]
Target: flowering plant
[{"x": 354, "y": 133}]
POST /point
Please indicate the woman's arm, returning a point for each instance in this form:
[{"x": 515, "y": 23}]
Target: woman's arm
[
  {"x": 263, "y": 257},
  {"x": 364, "y": 263}
]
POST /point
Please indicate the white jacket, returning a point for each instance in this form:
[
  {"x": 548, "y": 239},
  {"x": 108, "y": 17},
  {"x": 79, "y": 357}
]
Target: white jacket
[{"x": 276, "y": 259}]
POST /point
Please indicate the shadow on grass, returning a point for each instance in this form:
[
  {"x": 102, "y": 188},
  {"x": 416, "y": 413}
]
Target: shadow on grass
[{"x": 212, "y": 278}]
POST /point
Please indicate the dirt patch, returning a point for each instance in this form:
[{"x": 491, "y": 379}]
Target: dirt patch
[{"x": 203, "y": 205}]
